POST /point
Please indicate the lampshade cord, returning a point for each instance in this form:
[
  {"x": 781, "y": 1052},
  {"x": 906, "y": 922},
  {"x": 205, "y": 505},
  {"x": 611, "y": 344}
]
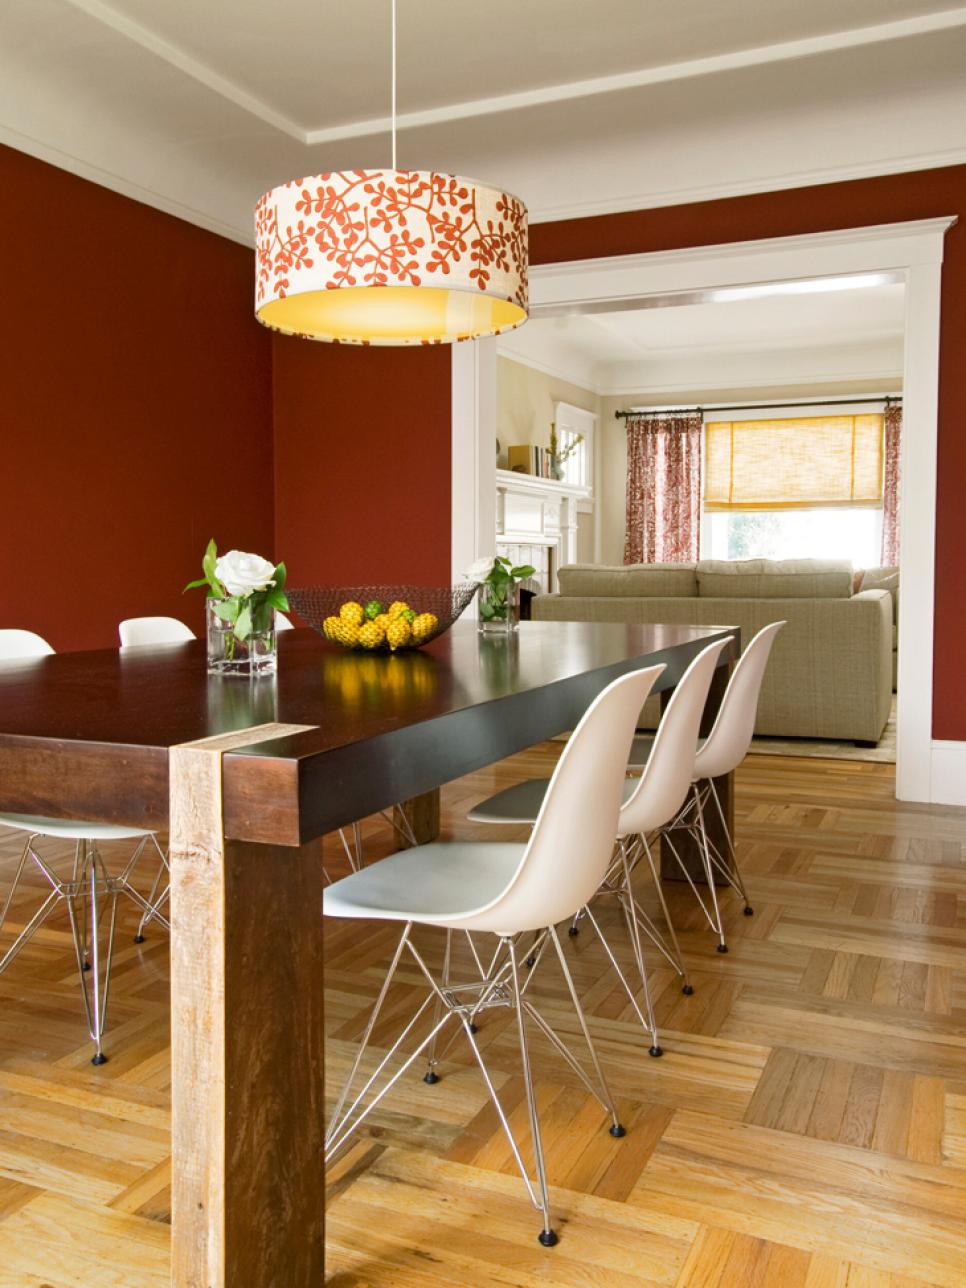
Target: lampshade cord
[{"x": 393, "y": 117}]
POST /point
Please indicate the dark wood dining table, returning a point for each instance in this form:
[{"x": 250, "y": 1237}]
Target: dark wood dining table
[{"x": 246, "y": 776}]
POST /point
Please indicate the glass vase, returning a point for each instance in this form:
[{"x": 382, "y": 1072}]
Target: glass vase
[
  {"x": 499, "y": 609},
  {"x": 228, "y": 655}
]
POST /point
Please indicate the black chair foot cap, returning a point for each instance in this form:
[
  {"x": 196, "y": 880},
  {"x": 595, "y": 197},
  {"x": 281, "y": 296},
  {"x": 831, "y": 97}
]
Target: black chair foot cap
[
  {"x": 100, "y": 1058},
  {"x": 531, "y": 962},
  {"x": 431, "y": 1078},
  {"x": 548, "y": 1238},
  {"x": 572, "y": 931},
  {"x": 474, "y": 1028},
  {"x": 86, "y": 966},
  {"x": 687, "y": 990},
  {"x": 656, "y": 1051},
  {"x": 617, "y": 1130},
  {"x": 749, "y": 912},
  {"x": 139, "y": 939},
  {"x": 722, "y": 948}
]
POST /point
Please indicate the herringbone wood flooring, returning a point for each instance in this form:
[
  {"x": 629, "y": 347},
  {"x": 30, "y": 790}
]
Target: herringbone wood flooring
[{"x": 806, "y": 1126}]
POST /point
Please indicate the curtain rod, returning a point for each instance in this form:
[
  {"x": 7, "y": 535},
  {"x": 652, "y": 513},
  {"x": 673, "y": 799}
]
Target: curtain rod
[{"x": 888, "y": 399}]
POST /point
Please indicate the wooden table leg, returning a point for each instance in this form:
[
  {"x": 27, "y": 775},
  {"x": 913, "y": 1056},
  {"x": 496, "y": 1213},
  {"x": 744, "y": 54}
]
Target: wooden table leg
[
  {"x": 683, "y": 841},
  {"x": 422, "y": 815},
  {"x": 247, "y": 1043}
]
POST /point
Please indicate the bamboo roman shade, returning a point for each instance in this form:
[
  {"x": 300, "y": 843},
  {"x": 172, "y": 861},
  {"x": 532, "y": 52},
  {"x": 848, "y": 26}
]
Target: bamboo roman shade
[{"x": 787, "y": 464}]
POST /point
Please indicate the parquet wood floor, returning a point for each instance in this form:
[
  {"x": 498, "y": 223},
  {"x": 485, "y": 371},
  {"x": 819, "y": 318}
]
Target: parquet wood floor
[{"x": 806, "y": 1127}]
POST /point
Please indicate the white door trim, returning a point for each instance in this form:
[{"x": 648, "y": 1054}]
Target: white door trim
[{"x": 915, "y": 249}]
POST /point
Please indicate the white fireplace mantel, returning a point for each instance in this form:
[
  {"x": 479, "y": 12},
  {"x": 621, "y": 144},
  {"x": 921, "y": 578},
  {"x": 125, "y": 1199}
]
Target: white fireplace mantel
[{"x": 532, "y": 511}]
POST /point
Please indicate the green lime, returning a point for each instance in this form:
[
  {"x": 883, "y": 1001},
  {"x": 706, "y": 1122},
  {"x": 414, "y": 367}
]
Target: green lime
[
  {"x": 409, "y": 615},
  {"x": 373, "y": 609}
]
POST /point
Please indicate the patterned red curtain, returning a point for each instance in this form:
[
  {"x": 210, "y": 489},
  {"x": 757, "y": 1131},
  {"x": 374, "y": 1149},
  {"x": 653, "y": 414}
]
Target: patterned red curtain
[
  {"x": 663, "y": 488},
  {"x": 890, "y": 485}
]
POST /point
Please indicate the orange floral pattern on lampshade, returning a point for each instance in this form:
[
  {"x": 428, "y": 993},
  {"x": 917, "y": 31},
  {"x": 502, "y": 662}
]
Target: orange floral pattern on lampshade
[{"x": 359, "y": 229}]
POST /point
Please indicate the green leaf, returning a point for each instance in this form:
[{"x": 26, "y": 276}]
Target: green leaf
[
  {"x": 243, "y": 623},
  {"x": 227, "y": 610},
  {"x": 278, "y": 599},
  {"x": 487, "y": 611},
  {"x": 522, "y": 571},
  {"x": 503, "y": 560},
  {"x": 193, "y": 585},
  {"x": 279, "y": 576}
]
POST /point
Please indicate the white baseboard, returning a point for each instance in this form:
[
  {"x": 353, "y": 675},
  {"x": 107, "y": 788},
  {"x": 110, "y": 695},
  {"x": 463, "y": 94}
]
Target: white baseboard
[{"x": 948, "y": 776}]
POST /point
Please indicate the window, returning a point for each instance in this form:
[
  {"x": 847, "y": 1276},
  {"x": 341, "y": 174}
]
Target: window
[
  {"x": 846, "y": 533},
  {"x": 572, "y": 423},
  {"x": 804, "y": 486}
]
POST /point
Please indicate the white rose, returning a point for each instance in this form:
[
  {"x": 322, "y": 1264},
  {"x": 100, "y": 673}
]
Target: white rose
[
  {"x": 240, "y": 573},
  {"x": 481, "y": 569}
]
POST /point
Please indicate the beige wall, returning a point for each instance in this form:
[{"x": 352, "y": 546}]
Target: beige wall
[
  {"x": 524, "y": 404},
  {"x": 612, "y": 449}
]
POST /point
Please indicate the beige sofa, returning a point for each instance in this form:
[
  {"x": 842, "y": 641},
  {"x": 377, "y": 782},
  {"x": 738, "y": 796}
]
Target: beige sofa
[{"x": 831, "y": 671}]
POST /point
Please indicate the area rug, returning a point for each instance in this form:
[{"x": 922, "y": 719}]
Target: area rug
[{"x": 884, "y": 751}]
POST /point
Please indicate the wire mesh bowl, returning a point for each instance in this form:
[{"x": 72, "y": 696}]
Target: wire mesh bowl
[{"x": 381, "y": 619}]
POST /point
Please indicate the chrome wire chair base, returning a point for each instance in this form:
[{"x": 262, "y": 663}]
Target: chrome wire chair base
[
  {"x": 355, "y": 852},
  {"x": 160, "y": 888},
  {"x": 691, "y": 819},
  {"x": 90, "y": 895},
  {"x": 498, "y": 984}
]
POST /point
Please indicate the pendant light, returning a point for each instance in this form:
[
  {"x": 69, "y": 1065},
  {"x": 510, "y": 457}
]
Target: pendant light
[{"x": 390, "y": 256}]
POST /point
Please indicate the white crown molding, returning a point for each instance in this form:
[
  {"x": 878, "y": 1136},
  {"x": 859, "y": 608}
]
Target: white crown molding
[
  {"x": 547, "y": 369},
  {"x": 824, "y": 382},
  {"x": 125, "y": 187},
  {"x": 781, "y": 51},
  {"x": 192, "y": 67},
  {"x": 691, "y": 195}
]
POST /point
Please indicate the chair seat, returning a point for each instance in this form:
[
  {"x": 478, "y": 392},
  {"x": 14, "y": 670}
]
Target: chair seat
[
  {"x": 442, "y": 883},
  {"x": 521, "y": 802},
  {"x": 70, "y": 828}
]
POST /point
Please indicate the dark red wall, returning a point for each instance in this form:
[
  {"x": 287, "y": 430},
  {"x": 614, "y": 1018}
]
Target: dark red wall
[
  {"x": 922, "y": 195},
  {"x": 135, "y": 407},
  {"x": 362, "y": 463}
]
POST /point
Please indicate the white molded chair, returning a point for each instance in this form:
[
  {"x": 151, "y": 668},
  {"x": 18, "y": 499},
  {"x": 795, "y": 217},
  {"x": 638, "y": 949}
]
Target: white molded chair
[
  {"x": 153, "y": 630},
  {"x": 505, "y": 889},
  {"x": 720, "y": 753},
  {"x": 649, "y": 802},
  {"x": 87, "y": 891}
]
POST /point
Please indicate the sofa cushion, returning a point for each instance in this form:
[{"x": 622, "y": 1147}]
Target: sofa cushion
[
  {"x": 883, "y": 579},
  {"x": 639, "y": 580},
  {"x": 775, "y": 578}
]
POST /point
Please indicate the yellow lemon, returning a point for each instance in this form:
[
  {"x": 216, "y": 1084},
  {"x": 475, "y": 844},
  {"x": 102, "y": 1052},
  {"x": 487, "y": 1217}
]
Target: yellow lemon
[
  {"x": 424, "y": 625},
  {"x": 371, "y": 635},
  {"x": 383, "y": 620},
  {"x": 396, "y": 607},
  {"x": 399, "y": 633},
  {"x": 348, "y": 634},
  {"x": 329, "y": 627},
  {"x": 352, "y": 613}
]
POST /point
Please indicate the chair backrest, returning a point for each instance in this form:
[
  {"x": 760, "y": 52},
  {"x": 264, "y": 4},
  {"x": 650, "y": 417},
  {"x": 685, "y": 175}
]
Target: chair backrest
[
  {"x": 282, "y": 623},
  {"x": 573, "y": 837},
  {"x": 16, "y": 643},
  {"x": 154, "y": 630},
  {"x": 727, "y": 744},
  {"x": 669, "y": 770}
]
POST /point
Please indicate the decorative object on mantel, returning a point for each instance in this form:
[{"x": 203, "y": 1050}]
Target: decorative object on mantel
[
  {"x": 244, "y": 591},
  {"x": 381, "y": 619},
  {"x": 560, "y": 456},
  {"x": 499, "y": 584},
  {"x": 391, "y": 256}
]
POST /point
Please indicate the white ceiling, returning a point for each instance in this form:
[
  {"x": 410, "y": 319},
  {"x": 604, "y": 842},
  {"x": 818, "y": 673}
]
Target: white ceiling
[
  {"x": 324, "y": 65},
  {"x": 198, "y": 106},
  {"x": 845, "y": 334}
]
